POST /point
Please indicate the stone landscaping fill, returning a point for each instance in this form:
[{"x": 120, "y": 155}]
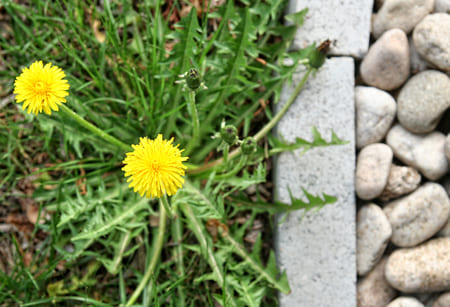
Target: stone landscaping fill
[{"x": 402, "y": 172}]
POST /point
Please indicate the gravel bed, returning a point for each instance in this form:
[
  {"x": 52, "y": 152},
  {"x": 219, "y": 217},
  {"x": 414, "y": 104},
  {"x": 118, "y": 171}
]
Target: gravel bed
[{"x": 403, "y": 156}]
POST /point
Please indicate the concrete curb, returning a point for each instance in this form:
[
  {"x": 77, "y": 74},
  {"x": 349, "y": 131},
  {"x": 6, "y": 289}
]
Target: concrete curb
[{"x": 319, "y": 252}]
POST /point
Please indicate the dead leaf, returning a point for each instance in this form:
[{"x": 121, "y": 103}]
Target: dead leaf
[
  {"x": 27, "y": 258},
  {"x": 21, "y": 222},
  {"x": 99, "y": 35},
  {"x": 254, "y": 232},
  {"x": 154, "y": 220},
  {"x": 213, "y": 226},
  {"x": 32, "y": 211},
  {"x": 81, "y": 182}
]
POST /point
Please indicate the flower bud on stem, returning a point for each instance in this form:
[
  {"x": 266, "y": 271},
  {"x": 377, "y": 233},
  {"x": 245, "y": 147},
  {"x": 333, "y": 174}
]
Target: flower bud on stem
[
  {"x": 262, "y": 132},
  {"x": 229, "y": 135},
  {"x": 195, "y": 122}
]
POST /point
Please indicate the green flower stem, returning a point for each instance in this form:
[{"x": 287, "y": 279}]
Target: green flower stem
[
  {"x": 195, "y": 122},
  {"x": 200, "y": 232},
  {"x": 157, "y": 247},
  {"x": 258, "y": 268},
  {"x": 165, "y": 202},
  {"x": 235, "y": 170},
  {"x": 226, "y": 150},
  {"x": 177, "y": 235},
  {"x": 84, "y": 123},
  {"x": 262, "y": 133},
  {"x": 125, "y": 239}
]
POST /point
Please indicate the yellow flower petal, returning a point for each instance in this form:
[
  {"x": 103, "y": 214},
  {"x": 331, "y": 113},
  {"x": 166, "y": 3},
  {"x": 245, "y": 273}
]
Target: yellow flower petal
[
  {"x": 41, "y": 88},
  {"x": 155, "y": 167}
]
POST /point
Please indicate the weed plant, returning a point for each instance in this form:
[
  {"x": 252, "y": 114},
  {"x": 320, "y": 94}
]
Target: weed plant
[{"x": 94, "y": 241}]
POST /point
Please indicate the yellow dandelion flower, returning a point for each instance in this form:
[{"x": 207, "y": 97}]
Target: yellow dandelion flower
[
  {"x": 41, "y": 88},
  {"x": 155, "y": 167}
]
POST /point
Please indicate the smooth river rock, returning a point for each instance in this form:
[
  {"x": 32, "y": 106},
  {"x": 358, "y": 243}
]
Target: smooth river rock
[
  {"x": 402, "y": 180},
  {"x": 442, "y": 6},
  {"x": 372, "y": 170},
  {"x": 445, "y": 231},
  {"x": 442, "y": 301},
  {"x": 425, "y": 268},
  {"x": 418, "y": 63},
  {"x": 423, "y": 100},
  {"x": 418, "y": 216},
  {"x": 386, "y": 64},
  {"x": 447, "y": 148},
  {"x": 405, "y": 301},
  {"x": 373, "y": 233},
  {"x": 373, "y": 289},
  {"x": 375, "y": 112},
  {"x": 425, "y": 152},
  {"x": 432, "y": 39},
  {"x": 402, "y": 14}
]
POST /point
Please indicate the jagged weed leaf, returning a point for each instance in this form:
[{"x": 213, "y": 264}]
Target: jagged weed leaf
[{"x": 298, "y": 17}]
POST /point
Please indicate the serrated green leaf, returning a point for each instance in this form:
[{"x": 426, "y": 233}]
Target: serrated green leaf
[
  {"x": 205, "y": 204},
  {"x": 121, "y": 218},
  {"x": 247, "y": 179},
  {"x": 318, "y": 141},
  {"x": 312, "y": 202},
  {"x": 297, "y": 18}
]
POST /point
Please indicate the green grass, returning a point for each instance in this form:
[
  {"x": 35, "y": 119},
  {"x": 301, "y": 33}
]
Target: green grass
[{"x": 122, "y": 60}]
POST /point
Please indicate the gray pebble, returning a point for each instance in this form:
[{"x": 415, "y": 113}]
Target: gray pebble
[
  {"x": 373, "y": 289},
  {"x": 400, "y": 14},
  {"x": 425, "y": 268},
  {"x": 447, "y": 147},
  {"x": 423, "y": 100},
  {"x": 418, "y": 63},
  {"x": 373, "y": 233},
  {"x": 375, "y": 112},
  {"x": 386, "y": 64},
  {"x": 425, "y": 152},
  {"x": 372, "y": 170},
  {"x": 401, "y": 181},
  {"x": 405, "y": 301},
  {"x": 418, "y": 216},
  {"x": 442, "y": 6},
  {"x": 443, "y": 300},
  {"x": 432, "y": 39},
  {"x": 445, "y": 230}
]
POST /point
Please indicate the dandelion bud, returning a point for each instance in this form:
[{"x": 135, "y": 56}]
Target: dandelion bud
[
  {"x": 317, "y": 56},
  {"x": 228, "y": 133},
  {"x": 248, "y": 146},
  {"x": 193, "y": 79}
]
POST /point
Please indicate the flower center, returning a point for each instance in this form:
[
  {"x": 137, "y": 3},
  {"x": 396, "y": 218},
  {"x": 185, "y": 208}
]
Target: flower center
[
  {"x": 40, "y": 87},
  {"x": 155, "y": 166}
]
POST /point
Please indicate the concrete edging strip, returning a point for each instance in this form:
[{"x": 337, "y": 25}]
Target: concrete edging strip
[{"x": 319, "y": 252}]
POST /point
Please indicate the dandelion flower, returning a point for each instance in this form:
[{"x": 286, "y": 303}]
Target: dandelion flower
[
  {"x": 41, "y": 88},
  {"x": 155, "y": 167}
]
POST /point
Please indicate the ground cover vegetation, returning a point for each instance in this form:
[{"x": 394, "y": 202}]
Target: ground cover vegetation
[{"x": 190, "y": 85}]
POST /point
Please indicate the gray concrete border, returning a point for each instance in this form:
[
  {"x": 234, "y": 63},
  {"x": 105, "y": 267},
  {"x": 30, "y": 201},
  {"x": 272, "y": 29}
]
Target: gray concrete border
[{"x": 319, "y": 252}]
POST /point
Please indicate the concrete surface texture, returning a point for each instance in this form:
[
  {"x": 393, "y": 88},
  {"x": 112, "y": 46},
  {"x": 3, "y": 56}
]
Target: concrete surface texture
[
  {"x": 347, "y": 22},
  {"x": 319, "y": 251}
]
